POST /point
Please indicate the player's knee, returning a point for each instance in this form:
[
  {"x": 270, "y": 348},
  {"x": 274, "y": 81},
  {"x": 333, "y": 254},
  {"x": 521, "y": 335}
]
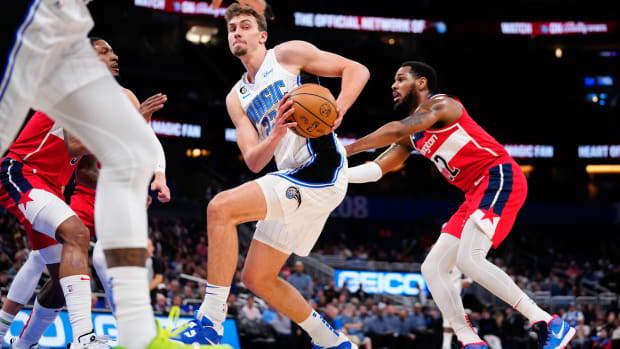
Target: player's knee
[
  {"x": 467, "y": 262},
  {"x": 78, "y": 236},
  {"x": 255, "y": 281},
  {"x": 427, "y": 268},
  {"x": 218, "y": 208}
]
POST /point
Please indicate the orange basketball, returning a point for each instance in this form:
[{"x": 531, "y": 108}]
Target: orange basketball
[{"x": 315, "y": 110}]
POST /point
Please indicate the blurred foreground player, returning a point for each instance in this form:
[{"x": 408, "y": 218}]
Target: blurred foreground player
[
  {"x": 50, "y": 65},
  {"x": 291, "y": 205},
  {"x": 439, "y": 127}
]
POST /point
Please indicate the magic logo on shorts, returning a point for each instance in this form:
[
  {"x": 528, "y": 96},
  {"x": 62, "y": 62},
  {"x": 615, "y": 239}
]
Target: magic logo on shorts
[{"x": 293, "y": 193}]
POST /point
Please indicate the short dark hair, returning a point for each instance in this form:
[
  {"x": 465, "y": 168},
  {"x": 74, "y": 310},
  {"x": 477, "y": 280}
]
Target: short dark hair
[
  {"x": 94, "y": 39},
  {"x": 421, "y": 69},
  {"x": 235, "y": 10}
]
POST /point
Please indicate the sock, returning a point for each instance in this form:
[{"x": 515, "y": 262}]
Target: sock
[
  {"x": 320, "y": 331},
  {"x": 214, "y": 306},
  {"x": 526, "y": 306},
  {"x": 132, "y": 306},
  {"x": 464, "y": 331},
  {"x": 77, "y": 297},
  {"x": 6, "y": 320},
  {"x": 447, "y": 340},
  {"x": 38, "y": 322}
]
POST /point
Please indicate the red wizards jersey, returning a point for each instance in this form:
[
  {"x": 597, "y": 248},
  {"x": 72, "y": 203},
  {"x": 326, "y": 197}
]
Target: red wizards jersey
[
  {"x": 41, "y": 148},
  {"x": 462, "y": 151}
]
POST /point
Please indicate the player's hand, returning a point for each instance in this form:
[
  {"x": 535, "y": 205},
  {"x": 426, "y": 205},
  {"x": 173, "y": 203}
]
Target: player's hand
[
  {"x": 216, "y": 4},
  {"x": 159, "y": 185},
  {"x": 152, "y": 104},
  {"x": 285, "y": 111},
  {"x": 338, "y": 120}
]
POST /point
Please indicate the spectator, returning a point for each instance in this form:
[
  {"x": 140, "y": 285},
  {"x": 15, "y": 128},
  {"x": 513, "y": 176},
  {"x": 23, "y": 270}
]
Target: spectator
[
  {"x": 349, "y": 323},
  {"x": 155, "y": 269},
  {"x": 573, "y": 315},
  {"x": 249, "y": 310},
  {"x": 301, "y": 281},
  {"x": 281, "y": 326},
  {"x": 232, "y": 305}
]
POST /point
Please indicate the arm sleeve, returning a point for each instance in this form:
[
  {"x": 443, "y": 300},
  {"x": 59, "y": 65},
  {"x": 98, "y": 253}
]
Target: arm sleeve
[
  {"x": 161, "y": 158},
  {"x": 368, "y": 172}
]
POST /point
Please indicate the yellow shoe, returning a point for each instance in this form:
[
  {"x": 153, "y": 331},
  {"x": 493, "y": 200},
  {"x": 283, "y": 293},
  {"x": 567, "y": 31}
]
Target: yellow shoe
[{"x": 162, "y": 340}]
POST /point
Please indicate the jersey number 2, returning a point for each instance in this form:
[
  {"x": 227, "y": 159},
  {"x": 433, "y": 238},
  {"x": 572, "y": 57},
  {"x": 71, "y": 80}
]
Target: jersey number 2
[{"x": 446, "y": 170}]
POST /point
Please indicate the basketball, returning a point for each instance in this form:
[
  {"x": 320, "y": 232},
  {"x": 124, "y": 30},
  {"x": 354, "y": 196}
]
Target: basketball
[{"x": 315, "y": 110}]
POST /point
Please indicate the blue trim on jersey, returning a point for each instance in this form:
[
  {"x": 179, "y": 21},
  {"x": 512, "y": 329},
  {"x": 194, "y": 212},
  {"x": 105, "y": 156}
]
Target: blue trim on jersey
[
  {"x": 504, "y": 195},
  {"x": 17, "y": 44},
  {"x": 287, "y": 175},
  {"x": 495, "y": 180},
  {"x": 17, "y": 176}
]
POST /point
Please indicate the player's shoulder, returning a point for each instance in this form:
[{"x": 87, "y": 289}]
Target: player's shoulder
[{"x": 293, "y": 46}]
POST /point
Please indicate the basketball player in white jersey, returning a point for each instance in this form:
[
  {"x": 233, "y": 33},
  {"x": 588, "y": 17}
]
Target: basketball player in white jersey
[
  {"x": 292, "y": 204},
  {"x": 50, "y": 65},
  {"x": 441, "y": 129}
]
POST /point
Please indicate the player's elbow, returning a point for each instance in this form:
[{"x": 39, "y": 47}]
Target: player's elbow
[
  {"x": 363, "y": 72},
  {"x": 253, "y": 166}
]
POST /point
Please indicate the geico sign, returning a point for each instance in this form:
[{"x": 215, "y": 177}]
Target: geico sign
[{"x": 381, "y": 282}]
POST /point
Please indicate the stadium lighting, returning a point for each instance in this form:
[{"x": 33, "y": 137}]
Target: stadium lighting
[
  {"x": 603, "y": 169},
  {"x": 199, "y": 34}
]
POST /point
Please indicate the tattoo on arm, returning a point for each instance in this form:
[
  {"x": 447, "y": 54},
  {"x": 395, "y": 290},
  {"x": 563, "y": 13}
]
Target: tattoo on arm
[{"x": 417, "y": 118}]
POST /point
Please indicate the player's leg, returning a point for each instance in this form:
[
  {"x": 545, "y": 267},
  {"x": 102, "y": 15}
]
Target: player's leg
[
  {"x": 471, "y": 259},
  {"x": 48, "y": 303},
  {"x": 436, "y": 271},
  {"x": 260, "y": 274},
  {"x": 225, "y": 211},
  {"x": 106, "y": 122},
  {"x": 21, "y": 290},
  {"x": 16, "y": 82},
  {"x": 101, "y": 268}
]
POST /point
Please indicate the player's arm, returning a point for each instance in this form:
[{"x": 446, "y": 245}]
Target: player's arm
[
  {"x": 87, "y": 172},
  {"x": 372, "y": 171},
  {"x": 301, "y": 55},
  {"x": 258, "y": 154},
  {"x": 152, "y": 104},
  {"x": 425, "y": 116},
  {"x": 74, "y": 146}
]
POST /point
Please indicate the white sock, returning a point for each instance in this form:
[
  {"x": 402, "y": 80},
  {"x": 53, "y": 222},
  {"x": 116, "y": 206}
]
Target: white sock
[
  {"x": 132, "y": 306},
  {"x": 6, "y": 320},
  {"x": 77, "y": 298},
  {"x": 464, "y": 331},
  {"x": 320, "y": 331},
  {"x": 40, "y": 319},
  {"x": 447, "y": 340},
  {"x": 526, "y": 306},
  {"x": 214, "y": 306}
]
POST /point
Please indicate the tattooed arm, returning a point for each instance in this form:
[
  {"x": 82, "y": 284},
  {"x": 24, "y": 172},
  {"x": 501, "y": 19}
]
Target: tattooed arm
[{"x": 429, "y": 113}]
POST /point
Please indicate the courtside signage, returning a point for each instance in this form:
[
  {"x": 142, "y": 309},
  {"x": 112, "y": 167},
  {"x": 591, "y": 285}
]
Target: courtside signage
[
  {"x": 381, "y": 282},
  {"x": 365, "y": 23},
  {"x": 59, "y": 334}
]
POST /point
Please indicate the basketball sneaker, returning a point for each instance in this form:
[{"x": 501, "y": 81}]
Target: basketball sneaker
[
  {"x": 481, "y": 345},
  {"x": 13, "y": 343},
  {"x": 555, "y": 334},
  {"x": 90, "y": 341},
  {"x": 342, "y": 343},
  {"x": 198, "y": 330},
  {"x": 163, "y": 339}
]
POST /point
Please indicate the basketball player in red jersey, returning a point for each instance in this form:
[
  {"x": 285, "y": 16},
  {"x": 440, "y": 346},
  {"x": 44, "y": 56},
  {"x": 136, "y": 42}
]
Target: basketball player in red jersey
[
  {"x": 439, "y": 127},
  {"x": 38, "y": 166}
]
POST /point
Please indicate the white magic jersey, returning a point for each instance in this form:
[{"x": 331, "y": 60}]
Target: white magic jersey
[{"x": 260, "y": 102}]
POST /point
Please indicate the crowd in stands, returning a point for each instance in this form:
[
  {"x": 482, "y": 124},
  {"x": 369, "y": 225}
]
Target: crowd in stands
[{"x": 372, "y": 320}]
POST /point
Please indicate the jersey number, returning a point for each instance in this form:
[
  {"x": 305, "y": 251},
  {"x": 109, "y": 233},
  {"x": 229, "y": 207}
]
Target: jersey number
[
  {"x": 445, "y": 168},
  {"x": 266, "y": 122}
]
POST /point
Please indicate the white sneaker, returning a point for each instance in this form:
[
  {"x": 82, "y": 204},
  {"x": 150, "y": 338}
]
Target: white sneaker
[
  {"x": 13, "y": 343},
  {"x": 342, "y": 343},
  {"x": 91, "y": 341}
]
